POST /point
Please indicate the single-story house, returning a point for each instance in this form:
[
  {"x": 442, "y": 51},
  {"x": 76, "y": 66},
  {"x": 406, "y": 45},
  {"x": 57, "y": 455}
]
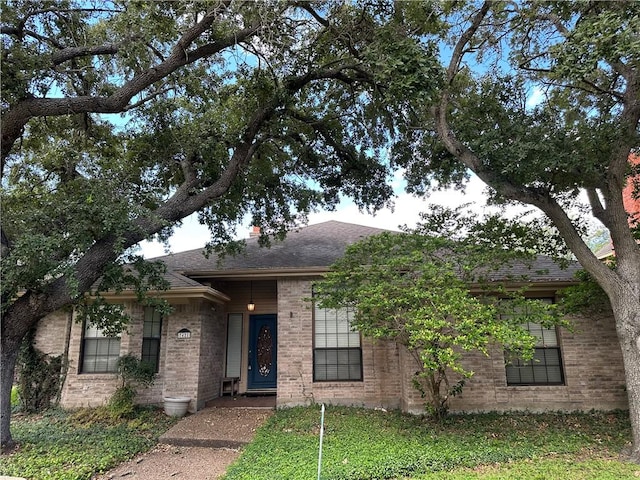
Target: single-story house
[{"x": 245, "y": 322}]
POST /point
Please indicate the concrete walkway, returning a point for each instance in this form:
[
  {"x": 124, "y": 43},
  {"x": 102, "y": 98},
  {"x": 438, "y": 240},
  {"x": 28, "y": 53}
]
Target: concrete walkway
[{"x": 224, "y": 423}]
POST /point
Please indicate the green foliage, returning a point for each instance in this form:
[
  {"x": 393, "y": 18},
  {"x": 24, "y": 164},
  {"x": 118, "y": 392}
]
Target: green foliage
[
  {"x": 132, "y": 373},
  {"x": 15, "y": 397},
  {"x": 122, "y": 402},
  {"x": 585, "y": 297},
  {"x": 63, "y": 446},
  {"x": 39, "y": 377},
  {"x": 414, "y": 288},
  {"x": 568, "y": 467},
  {"x": 89, "y": 178},
  {"x": 365, "y": 444}
]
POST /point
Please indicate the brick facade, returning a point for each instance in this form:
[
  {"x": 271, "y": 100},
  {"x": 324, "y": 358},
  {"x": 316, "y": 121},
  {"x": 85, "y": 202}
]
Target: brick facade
[
  {"x": 593, "y": 371},
  {"x": 592, "y": 361},
  {"x": 381, "y": 383},
  {"x": 188, "y": 367}
]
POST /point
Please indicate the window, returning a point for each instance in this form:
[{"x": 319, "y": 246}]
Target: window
[
  {"x": 151, "y": 332},
  {"x": 546, "y": 366},
  {"x": 337, "y": 354},
  {"x": 99, "y": 353},
  {"x": 234, "y": 345}
]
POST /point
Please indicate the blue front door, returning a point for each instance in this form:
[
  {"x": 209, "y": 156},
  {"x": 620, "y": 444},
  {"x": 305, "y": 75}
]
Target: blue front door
[{"x": 263, "y": 344}]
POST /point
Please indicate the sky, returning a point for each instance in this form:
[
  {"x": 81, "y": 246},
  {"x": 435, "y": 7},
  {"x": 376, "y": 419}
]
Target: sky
[{"x": 191, "y": 235}]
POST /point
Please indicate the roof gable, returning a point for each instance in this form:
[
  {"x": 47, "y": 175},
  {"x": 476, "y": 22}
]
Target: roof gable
[
  {"x": 312, "y": 249},
  {"x": 313, "y": 246}
]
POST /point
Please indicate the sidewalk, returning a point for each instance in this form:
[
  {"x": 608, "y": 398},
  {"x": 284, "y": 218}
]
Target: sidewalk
[
  {"x": 218, "y": 427},
  {"x": 200, "y": 446}
]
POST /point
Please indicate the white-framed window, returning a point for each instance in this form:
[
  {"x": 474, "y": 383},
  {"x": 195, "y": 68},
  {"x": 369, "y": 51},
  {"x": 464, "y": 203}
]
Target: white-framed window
[
  {"x": 337, "y": 354},
  {"x": 99, "y": 353},
  {"x": 546, "y": 366}
]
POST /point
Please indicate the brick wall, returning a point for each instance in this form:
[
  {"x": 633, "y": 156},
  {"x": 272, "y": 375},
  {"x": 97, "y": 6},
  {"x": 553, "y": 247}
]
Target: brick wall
[
  {"x": 212, "y": 350},
  {"x": 381, "y": 385},
  {"x": 594, "y": 376},
  {"x": 193, "y": 367},
  {"x": 88, "y": 389},
  {"x": 183, "y": 354},
  {"x": 51, "y": 334},
  {"x": 188, "y": 367}
]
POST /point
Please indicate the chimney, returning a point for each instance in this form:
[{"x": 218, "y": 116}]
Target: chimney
[{"x": 255, "y": 232}]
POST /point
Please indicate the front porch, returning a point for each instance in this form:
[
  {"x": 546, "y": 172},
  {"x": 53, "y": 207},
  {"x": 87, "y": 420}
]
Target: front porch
[{"x": 226, "y": 422}]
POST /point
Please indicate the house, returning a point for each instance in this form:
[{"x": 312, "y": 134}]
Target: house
[
  {"x": 249, "y": 318},
  {"x": 631, "y": 202}
]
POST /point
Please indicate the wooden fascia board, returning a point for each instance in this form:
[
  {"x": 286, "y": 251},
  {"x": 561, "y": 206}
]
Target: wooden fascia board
[
  {"x": 203, "y": 292},
  {"x": 252, "y": 274}
]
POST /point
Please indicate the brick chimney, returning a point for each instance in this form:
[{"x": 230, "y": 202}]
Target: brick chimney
[{"x": 255, "y": 232}]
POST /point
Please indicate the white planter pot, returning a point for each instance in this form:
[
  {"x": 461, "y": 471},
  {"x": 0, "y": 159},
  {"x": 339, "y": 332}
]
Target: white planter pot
[{"x": 176, "y": 406}]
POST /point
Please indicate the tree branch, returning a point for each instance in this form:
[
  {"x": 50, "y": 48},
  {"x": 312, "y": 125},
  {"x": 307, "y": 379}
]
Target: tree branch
[
  {"x": 21, "y": 32},
  {"x": 555, "y": 20},
  {"x": 18, "y": 115},
  {"x": 146, "y": 99},
  {"x": 536, "y": 197},
  {"x": 465, "y": 39},
  {"x": 70, "y": 53},
  {"x": 596, "y": 206}
]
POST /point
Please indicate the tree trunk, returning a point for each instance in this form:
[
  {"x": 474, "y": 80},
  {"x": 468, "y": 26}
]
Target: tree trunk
[
  {"x": 8, "y": 358},
  {"x": 627, "y": 314}
]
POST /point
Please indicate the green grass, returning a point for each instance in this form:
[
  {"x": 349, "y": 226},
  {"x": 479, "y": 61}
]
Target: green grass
[
  {"x": 63, "y": 446},
  {"x": 364, "y": 444},
  {"x": 358, "y": 444}
]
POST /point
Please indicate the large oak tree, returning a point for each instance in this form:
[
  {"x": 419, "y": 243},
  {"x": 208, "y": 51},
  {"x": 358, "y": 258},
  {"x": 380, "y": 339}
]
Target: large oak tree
[
  {"x": 274, "y": 108},
  {"x": 541, "y": 101},
  {"x": 227, "y": 108}
]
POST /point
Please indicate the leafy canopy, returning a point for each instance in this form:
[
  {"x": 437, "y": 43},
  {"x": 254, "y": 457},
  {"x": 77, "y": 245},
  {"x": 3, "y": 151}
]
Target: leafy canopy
[
  {"x": 233, "y": 110},
  {"x": 440, "y": 295}
]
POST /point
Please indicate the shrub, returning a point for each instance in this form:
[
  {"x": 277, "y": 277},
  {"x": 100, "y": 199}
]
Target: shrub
[
  {"x": 38, "y": 376},
  {"x": 15, "y": 398},
  {"x": 132, "y": 372},
  {"x": 122, "y": 402}
]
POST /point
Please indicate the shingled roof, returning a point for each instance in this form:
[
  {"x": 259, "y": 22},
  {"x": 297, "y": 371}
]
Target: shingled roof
[
  {"x": 314, "y": 248},
  {"x": 311, "y": 247}
]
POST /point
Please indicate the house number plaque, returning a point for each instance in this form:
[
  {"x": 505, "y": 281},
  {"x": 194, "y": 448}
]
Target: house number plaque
[{"x": 184, "y": 333}]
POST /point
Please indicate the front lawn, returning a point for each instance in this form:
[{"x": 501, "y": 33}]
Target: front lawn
[
  {"x": 366, "y": 444},
  {"x": 73, "y": 446},
  {"x": 358, "y": 444}
]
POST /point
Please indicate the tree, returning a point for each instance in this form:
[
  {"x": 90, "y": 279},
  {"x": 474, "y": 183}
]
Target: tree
[
  {"x": 275, "y": 108},
  {"x": 583, "y": 61},
  {"x": 414, "y": 288},
  {"x": 226, "y": 108}
]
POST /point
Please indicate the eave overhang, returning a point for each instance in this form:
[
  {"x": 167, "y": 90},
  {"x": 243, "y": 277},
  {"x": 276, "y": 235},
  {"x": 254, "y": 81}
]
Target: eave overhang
[
  {"x": 176, "y": 293},
  {"x": 253, "y": 274}
]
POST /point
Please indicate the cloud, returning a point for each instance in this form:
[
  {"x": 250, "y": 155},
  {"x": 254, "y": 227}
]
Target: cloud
[
  {"x": 536, "y": 98},
  {"x": 407, "y": 208}
]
